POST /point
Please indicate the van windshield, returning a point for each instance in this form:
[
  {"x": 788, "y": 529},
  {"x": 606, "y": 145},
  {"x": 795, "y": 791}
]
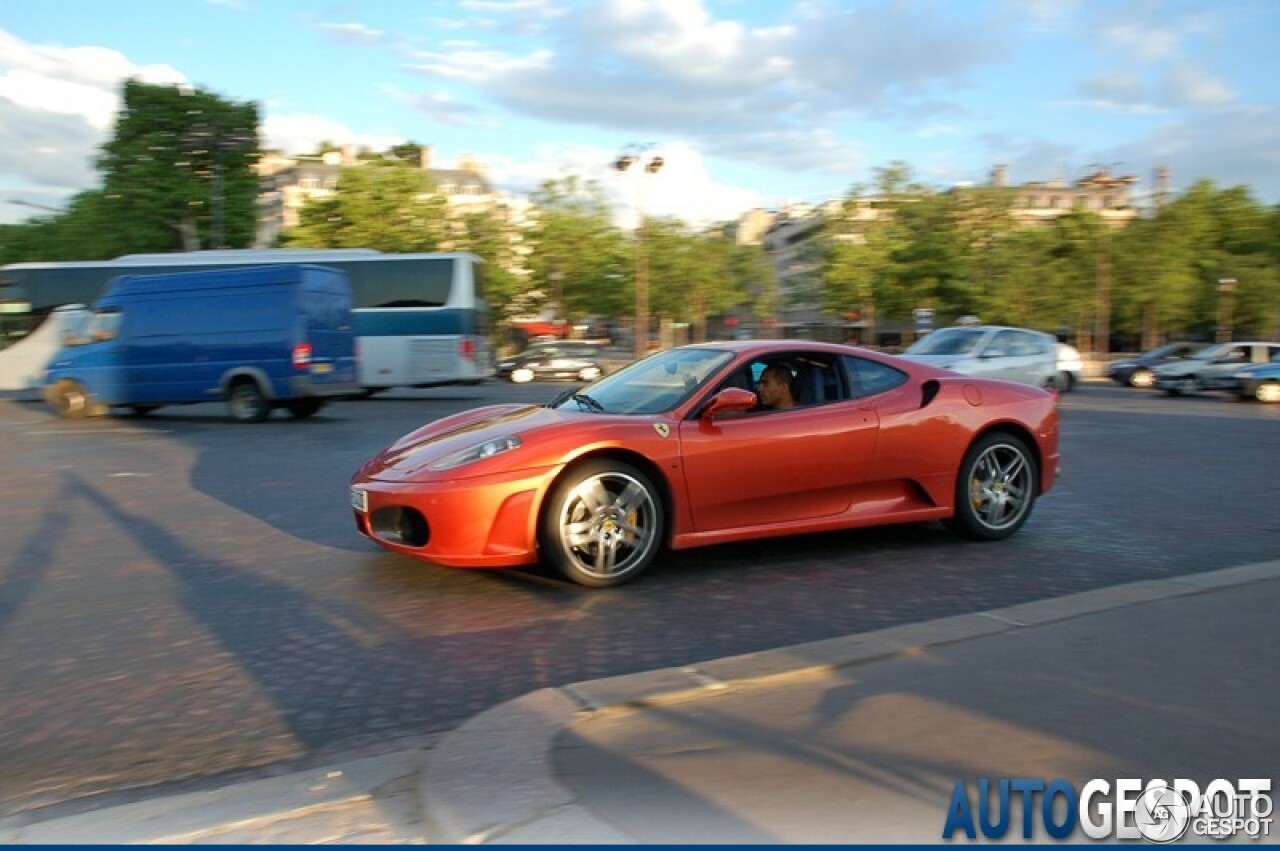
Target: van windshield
[{"x": 92, "y": 328}]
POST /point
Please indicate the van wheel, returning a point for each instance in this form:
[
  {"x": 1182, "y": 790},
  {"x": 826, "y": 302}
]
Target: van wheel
[
  {"x": 72, "y": 401},
  {"x": 246, "y": 403},
  {"x": 300, "y": 409}
]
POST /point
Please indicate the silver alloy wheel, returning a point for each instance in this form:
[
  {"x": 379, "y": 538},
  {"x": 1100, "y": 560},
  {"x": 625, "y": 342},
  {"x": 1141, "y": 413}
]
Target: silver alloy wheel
[
  {"x": 1000, "y": 486},
  {"x": 1268, "y": 391},
  {"x": 608, "y": 525},
  {"x": 1189, "y": 384},
  {"x": 1142, "y": 378}
]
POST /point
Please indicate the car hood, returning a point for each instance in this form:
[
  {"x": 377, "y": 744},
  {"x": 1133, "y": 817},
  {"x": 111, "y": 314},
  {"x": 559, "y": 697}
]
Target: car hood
[{"x": 409, "y": 458}]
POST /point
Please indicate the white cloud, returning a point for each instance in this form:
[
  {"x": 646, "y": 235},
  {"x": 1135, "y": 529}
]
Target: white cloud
[
  {"x": 57, "y": 106},
  {"x": 682, "y": 188},
  {"x": 1188, "y": 86},
  {"x": 300, "y": 134},
  {"x": 353, "y": 33},
  {"x": 1148, "y": 42}
]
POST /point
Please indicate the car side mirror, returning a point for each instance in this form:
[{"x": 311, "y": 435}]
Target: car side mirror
[{"x": 729, "y": 400}]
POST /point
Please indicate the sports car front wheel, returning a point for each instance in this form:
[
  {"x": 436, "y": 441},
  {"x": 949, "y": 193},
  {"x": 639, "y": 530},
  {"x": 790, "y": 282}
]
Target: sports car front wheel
[
  {"x": 996, "y": 488},
  {"x": 603, "y": 524}
]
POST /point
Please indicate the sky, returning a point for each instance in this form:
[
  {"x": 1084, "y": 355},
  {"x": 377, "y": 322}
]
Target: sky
[{"x": 751, "y": 103}]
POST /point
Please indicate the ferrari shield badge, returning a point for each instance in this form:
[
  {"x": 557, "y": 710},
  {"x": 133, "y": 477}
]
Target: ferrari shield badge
[{"x": 662, "y": 429}]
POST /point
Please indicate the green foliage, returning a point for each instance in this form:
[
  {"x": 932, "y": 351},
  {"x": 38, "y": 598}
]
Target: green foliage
[
  {"x": 177, "y": 174},
  {"x": 581, "y": 264},
  {"x": 963, "y": 252},
  {"x": 384, "y": 205}
]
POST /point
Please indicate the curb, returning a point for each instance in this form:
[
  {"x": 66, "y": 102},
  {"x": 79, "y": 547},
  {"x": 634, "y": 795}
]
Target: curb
[
  {"x": 315, "y": 806},
  {"x": 492, "y": 780}
]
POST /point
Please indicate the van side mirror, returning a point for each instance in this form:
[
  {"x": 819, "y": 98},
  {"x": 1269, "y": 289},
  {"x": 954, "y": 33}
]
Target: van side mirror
[{"x": 729, "y": 400}]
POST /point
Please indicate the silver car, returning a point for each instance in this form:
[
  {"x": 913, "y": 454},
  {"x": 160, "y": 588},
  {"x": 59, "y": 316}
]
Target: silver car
[
  {"x": 991, "y": 351},
  {"x": 1212, "y": 368}
]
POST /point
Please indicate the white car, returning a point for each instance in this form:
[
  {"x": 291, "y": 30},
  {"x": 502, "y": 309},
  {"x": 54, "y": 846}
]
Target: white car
[
  {"x": 991, "y": 351},
  {"x": 1070, "y": 368}
]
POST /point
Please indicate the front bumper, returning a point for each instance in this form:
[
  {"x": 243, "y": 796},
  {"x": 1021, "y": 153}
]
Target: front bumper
[{"x": 487, "y": 521}]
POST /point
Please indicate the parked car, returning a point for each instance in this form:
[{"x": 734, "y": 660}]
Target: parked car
[
  {"x": 565, "y": 359},
  {"x": 1260, "y": 381},
  {"x": 991, "y": 351},
  {"x": 1140, "y": 371},
  {"x": 1070, "y": 368},
  {"x": 1212, "y": 368},
  {"x": 671, "y": 451}
]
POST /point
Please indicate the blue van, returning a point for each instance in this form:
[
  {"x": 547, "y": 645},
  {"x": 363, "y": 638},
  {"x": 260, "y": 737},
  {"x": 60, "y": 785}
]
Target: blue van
[{"x": 259, "y": 338}]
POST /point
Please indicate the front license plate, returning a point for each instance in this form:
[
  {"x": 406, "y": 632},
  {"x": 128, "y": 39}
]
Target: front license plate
[{"x": 360, "y": 500}]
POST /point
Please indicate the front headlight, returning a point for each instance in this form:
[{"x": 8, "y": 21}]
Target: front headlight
[{"x": 479, "y": 452}]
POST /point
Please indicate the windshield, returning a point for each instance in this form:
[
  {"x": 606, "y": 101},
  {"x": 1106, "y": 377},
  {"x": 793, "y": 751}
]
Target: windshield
[
  {"x": 1211, "y": 352},
  {"x": 658, "y": 383},
  {"x": 948, "y": 341},
  {"x": 81, "y": 328}
]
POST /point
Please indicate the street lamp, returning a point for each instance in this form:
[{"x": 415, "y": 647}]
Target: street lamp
[
  {"x": 209, "y": 138},
  {"x": 35, "y": 206},
  {"x": 653, "y": 166},
  {"x": 1226, "y": 305}
]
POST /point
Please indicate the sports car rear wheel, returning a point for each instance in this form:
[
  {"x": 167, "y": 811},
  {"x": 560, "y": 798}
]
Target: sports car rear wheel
[
  {"x": 996, "y": 488},
  {"x": 603, "y": 524}
]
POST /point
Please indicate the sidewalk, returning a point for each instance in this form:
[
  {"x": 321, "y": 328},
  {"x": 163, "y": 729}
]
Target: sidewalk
[{"x": 852, "y": 740}]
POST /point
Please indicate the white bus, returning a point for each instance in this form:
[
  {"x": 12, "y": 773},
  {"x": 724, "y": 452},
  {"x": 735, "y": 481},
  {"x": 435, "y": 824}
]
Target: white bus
[{"x": 421, "y": 319}]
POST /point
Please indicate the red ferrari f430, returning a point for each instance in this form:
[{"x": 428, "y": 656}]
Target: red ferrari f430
[{"x": 677, "y": 450}]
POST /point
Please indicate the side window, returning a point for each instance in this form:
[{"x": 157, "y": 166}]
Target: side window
[
  {"x": 813, "y": 378},
  {"x": 104, "y": 326},
  {"x": 868, "y": 377},
  {"x": 1036, "y": 345},
  {"x": 1274, "y": 354},
  {"x": 1001, "y": 345}
]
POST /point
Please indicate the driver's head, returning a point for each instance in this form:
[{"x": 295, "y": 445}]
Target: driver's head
[{"x": 775, "y": 387}]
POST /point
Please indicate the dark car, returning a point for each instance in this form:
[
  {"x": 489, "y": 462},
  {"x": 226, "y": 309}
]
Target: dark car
[
  {"x": 571, "y": 360},
  {"x": 1140, "y": 371}
]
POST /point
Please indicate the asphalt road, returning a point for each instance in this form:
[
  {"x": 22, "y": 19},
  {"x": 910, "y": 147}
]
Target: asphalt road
[{"x": 184, "y": 600}]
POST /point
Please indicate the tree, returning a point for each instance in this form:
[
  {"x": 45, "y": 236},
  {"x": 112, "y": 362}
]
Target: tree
[
  {"x": 692, "y": 275},
  {"x": 580, "y": 262},
  {"x": 177, "y": 173},
  {"x": 382, "y": 205}
]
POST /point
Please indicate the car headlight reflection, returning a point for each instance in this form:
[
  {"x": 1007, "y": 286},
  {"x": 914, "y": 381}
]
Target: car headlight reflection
[{"x": 479, "y": 452}]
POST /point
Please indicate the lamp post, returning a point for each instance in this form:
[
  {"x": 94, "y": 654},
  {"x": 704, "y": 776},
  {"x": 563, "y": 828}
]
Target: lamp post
[
  {"x": 208, "y": 138},
  {"x": 35, "y": 206},
  {"x": 1226, "y": 308},
  {"x": 653, "y": 166}
]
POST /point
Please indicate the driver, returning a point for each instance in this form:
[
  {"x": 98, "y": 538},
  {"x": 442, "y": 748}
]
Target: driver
[{"x": 776, "y": 390}]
